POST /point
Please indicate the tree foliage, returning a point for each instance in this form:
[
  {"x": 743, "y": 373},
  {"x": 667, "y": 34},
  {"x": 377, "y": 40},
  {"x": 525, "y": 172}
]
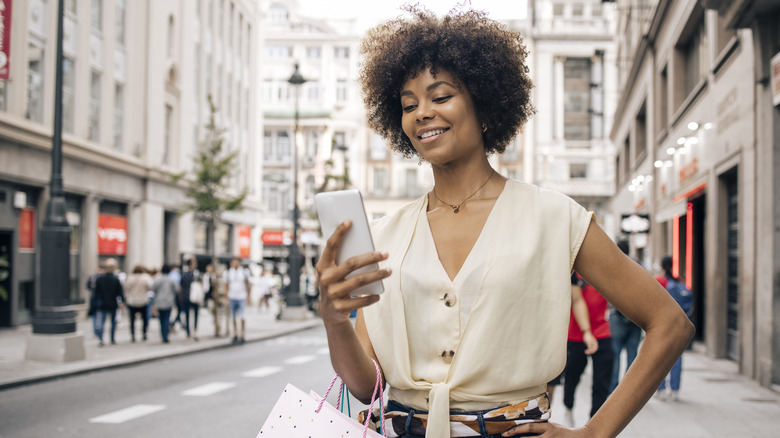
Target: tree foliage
[{"x": 208, "y": 183}]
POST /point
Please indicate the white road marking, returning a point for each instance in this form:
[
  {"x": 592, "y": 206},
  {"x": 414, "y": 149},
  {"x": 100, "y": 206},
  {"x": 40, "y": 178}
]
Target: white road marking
[
  {"x": 262, "y": 371},
  {"x": 127, "y": 414},
  {"x": 208, "y": 389},
  {"x": 297, "y": 360},
  {"x": 325, "y": 350}
]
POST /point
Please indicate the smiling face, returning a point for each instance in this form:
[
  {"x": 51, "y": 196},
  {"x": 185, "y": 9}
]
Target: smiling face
[{"x": 440, "y": 119}]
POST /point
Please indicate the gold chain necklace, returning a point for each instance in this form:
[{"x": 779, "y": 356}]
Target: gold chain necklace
[{"x": 456, "y": 207}]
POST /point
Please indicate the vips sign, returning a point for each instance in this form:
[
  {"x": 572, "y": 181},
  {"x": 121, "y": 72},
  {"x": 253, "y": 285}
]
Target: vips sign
[
  {"x": 5, "y": 38},
  {"x": 112, "y": 234},
  {"x": 244, "y": 241}
]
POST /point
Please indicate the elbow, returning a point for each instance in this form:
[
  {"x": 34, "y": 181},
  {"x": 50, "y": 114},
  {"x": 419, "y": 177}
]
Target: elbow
[{"x": 684, "y": 330}]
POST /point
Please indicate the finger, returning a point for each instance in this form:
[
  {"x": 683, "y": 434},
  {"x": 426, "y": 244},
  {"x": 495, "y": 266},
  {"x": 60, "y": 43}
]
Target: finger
[
  {"x": 352, "y": 304},
  {"x": 334, "y": 243},
  {"x": 360, "y": 261},
  {"x": 344, "y": 289},
  {"x": 529, "y": 428}
]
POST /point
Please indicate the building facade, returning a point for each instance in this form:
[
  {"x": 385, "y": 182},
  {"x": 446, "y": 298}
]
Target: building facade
[
  {"x": 572, "y": 60},
  {"x": 698, "y": 136},
  {"x": 135, "y": 85}
]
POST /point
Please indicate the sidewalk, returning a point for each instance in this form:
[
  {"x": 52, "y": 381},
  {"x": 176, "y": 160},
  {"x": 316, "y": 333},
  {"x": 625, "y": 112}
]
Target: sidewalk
[
  {"x": 15, "y": 370},
  {"x": 715, "y": 401}
]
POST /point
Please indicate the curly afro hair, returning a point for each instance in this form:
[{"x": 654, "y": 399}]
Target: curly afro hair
[{"x": 486, "y": 57}]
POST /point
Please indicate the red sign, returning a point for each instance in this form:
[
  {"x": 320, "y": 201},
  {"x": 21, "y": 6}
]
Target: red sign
[
  {"x": 244, "y": 241},
  {"x": 5, "y": 38},
  {"x": 112, "y": 234},
  {"x": 27, "y": 229},
  {"x": 273, "y": 237}
]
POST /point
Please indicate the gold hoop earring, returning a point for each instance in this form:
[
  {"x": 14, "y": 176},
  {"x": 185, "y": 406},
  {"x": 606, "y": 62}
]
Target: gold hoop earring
[{"x": 484, "y": 127}]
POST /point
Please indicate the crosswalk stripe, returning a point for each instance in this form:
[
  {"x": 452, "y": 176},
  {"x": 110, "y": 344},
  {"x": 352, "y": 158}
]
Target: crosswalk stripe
[
  {"x": 262, "y": 371},
  {"x": 297, "y": 360},
  {"x": 127, "y": 414},
  {"x": 208, "y": 389}
]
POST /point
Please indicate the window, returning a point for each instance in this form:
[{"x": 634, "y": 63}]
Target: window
[
  {"x": 597, "y": 10},
  {"x": 558, "y": 9},
  {"x": 97, "y": 15},
  {"x": 314, "y": 52},
  {"x": 725, "y": 34},
  {"x": 378, "y": 150},
  {"x": 339, "y": 139},
  {"x": 640, "y": 136},
  {"x": 691, "y": 53},
  {"x": 577, "y": 9},
  {"x": 663, "y": 100},
  {"x": 276, "y": 193},
  {"x": 312, "y": 143},
  {"x": 312, "y": 91},
  {"x": 278, "y": 52},
  {"x": 578, "y": 170},
  {"x": 94, "y": 107},
  {"x": 341, "y": 90},
  {"x": 380, "y": 181},
  {"x": 171, "y": 36},
  {"x": 119, "y": 21},
  {"x": 68, "y": 100},
  {"x": 626, "y": 170},
  {"x": 512, "y": 152},
  {"x": 277, "y": 147},
  {"x": 3, "y": 96},
  {"x": 576, "y": 96},
  {"x": 277, "y": 13},
  {"x": 70, "y": 6},
  {"x": 341, "y": 52},
  {"x": 35, "y": 72},
  {"x": 167, "y": 134},
  {"x": 119, "y": 116}
]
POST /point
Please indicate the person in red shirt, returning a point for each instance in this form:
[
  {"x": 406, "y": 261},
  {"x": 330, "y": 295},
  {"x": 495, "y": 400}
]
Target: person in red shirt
[{"x": 577, "y": 356}]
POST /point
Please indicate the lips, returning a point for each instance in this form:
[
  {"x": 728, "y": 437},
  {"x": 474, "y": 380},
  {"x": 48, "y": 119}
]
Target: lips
[{"x": 432, "y": 132}]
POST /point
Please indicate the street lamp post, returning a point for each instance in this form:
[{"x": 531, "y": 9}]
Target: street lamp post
[
  {"x": 292, "y": 295},
  {"x": 54, "y": 322}
]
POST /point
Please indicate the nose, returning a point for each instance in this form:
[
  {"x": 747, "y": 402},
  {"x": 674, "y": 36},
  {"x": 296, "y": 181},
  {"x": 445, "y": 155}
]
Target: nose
[{"x": 424, "y": 112}]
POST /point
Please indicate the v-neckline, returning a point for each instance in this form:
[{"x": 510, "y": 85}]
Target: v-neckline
[{"x": 429, "y": 231}]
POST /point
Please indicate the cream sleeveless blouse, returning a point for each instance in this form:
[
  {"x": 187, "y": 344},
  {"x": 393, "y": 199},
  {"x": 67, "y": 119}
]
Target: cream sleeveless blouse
[{"x": 496, "y": 333}]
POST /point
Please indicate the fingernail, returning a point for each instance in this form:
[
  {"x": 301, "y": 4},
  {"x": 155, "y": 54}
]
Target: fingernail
[{"x": 347, "y": 222}]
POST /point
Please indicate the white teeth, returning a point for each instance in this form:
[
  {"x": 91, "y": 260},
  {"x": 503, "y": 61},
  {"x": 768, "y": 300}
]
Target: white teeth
[{"x": 432, "y": 133}]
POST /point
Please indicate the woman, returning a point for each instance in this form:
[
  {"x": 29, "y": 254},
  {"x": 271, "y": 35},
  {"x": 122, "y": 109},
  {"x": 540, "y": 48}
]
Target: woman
[
  {"x": 165, "y": 290},
  {"x": 137, "y": 287},
  {"x": 474, "y": 318}
]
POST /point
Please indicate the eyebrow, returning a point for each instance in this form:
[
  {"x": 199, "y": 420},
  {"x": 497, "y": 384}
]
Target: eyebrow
[{"x": 428, "y": 88}]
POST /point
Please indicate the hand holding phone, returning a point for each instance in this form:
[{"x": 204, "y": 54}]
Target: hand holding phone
[{"x": 333, "y": 208}]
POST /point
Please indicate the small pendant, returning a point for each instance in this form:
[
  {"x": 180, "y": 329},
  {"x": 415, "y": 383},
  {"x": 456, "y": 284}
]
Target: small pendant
[{"x": 456, "y": 209}]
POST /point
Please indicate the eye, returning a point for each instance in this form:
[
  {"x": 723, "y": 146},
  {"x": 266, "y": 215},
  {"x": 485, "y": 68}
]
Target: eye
[
  {"x": 408, "y": 108},
  {"x": 442, "y": 99}
]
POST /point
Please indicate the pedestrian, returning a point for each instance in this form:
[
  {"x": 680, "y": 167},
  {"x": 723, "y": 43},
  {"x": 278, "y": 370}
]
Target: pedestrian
[
  {"x": 137, "y": 287},
  {"x": 165, "y": 291},
  {"x": 625, "y": 334},
  {"x": 109, "y": 295},
  {"x": 191, "y": 281},
  {"x": 577, "y": 357},
  {"x": 579, "y": 311},
  {"x": 207, "y": 279},
  {"x": 684, "y": 298},
  {"x": 153, "y": 273},
  {"x": 175, "y": 275},
  {"x": 91, "y": 283},
  {"x": 237, "y": 287},
  {"x": 265, "y": 287},
  {"x": 474, "y": 313}
]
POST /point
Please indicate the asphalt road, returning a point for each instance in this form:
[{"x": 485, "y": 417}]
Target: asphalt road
[{"x": 227, "y": 392}]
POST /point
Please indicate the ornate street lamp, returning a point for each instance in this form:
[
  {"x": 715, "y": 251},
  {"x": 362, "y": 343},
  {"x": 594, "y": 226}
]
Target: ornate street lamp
[{"x": 292, "y": 294}]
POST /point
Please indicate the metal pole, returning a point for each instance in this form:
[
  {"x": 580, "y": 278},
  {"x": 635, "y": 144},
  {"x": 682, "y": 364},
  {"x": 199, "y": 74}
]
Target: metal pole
[
  {"x": 295, "y": 258},
  {"x": 53, "y": 314}
]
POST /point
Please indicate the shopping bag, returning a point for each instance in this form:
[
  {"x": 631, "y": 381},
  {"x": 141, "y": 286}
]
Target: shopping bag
[
  {"x": 300, "y": 415},
  {"x": 196, "y": 293}
]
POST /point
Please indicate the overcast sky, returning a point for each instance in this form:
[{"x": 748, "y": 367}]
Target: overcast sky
[{"x": 383, "y": 9}]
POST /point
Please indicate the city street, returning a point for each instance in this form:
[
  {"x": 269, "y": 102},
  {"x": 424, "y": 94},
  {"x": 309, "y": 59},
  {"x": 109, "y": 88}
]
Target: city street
[
  {"x": 225, "y": 392},
  {"x": 230, "y": 391}
]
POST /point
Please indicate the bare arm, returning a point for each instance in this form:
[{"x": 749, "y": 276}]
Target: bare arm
[
  {"x": 350, "y": 348},
  {"x": 636, "y": 294},
  {"x": 582, "y": 317}
]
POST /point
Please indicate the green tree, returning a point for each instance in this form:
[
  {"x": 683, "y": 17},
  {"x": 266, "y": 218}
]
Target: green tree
[{"x": 208, "y": 189}]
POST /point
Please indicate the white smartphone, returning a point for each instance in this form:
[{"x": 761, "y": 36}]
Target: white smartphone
[{"x": 334, "y": 208}]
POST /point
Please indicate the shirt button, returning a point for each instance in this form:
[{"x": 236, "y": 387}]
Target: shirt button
[
  {"x": 449, "y": 299},
  {"x": 447, "y": 356}
]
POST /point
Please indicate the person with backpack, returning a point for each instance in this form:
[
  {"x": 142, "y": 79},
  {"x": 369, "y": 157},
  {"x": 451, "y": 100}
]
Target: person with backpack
[{"x": 677, "y": 289}]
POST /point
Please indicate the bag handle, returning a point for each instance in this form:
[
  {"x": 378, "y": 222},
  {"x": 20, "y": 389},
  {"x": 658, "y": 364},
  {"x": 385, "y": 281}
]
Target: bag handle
[{"x": 377, "y": 389}]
